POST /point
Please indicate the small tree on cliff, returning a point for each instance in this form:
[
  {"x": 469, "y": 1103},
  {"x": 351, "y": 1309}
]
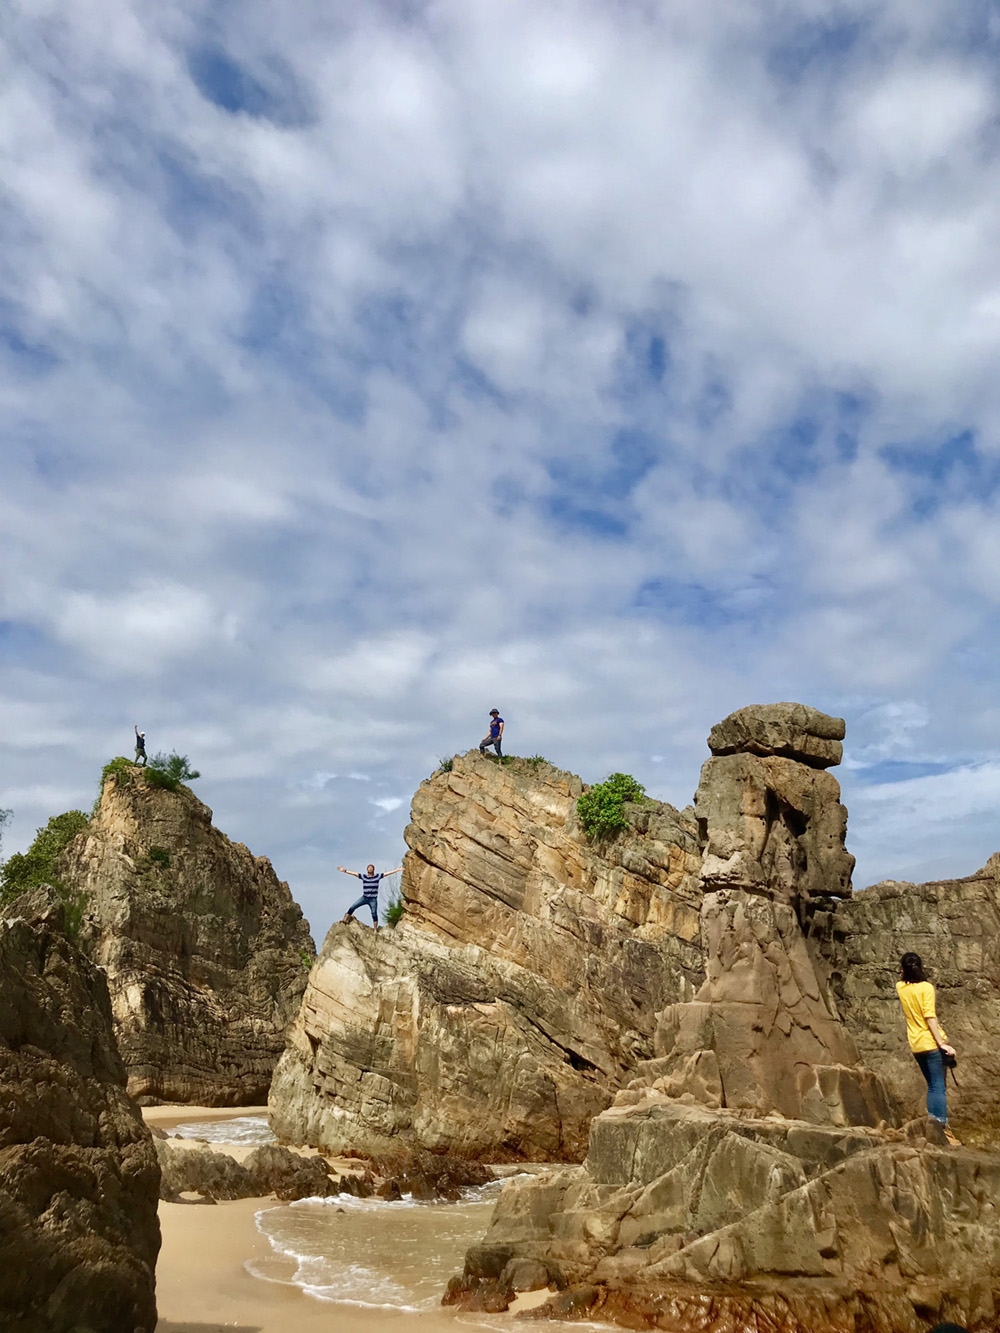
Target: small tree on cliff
[
  {"x": 601, "y": 808},
  {"x": 169, "y": 771}
]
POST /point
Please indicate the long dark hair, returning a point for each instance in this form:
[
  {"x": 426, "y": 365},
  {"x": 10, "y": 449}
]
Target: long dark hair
[{"x": 911, "y": 967}]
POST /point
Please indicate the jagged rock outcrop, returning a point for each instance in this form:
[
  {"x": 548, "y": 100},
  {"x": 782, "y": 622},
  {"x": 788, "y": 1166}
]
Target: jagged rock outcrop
[
  {"x": 755, "y": 1173},
  {"x": 205, "y": 951},
  {"x": 522, "y": 984},
  {"x": 78, "y": 1174},
  {"x": 955, "y": 926}
]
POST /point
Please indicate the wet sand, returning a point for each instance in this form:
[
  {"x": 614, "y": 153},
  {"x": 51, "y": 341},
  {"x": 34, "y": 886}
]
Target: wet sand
[{"x": 202, "y": 1285}]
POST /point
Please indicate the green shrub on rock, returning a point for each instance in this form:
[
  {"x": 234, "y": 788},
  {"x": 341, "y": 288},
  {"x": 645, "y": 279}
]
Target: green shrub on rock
[
  {"x": 601, "y": 808},
  {"x": 27, "y": 870}
]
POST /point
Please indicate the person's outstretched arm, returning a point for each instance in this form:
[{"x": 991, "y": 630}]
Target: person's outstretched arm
[
  {"x": 355, "y": 873},
  {"x": 392, "y": 872}
]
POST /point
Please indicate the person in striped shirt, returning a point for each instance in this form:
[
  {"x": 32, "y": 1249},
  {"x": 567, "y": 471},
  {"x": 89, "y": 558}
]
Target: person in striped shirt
[{"x": 369, "y": 890}]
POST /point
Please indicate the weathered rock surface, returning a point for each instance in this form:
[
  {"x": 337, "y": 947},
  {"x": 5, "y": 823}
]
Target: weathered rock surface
[
  {"x": 955, "y": 926},
  {"x": 521, "y": 986},
  {"x": 794, "y": 731},
  {"x": 269, "y": 1169},
  {"x": 750, "y": 1175},
  {"x": 202, "y": 945},
  {"x": 78, "y": 1175}
]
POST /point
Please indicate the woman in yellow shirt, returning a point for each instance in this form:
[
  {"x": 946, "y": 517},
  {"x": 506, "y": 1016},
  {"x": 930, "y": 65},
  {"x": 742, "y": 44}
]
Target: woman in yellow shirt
[{"x": 925, "y": 1034}]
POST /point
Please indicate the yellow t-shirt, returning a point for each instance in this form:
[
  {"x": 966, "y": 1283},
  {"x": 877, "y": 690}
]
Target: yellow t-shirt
[{"x": 917, "y": 999}]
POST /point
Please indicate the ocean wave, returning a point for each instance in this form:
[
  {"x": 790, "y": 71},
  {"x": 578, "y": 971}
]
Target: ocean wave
[
  {"x": 374, "y": 1253},
  {"x": 241, "y": 1129}
]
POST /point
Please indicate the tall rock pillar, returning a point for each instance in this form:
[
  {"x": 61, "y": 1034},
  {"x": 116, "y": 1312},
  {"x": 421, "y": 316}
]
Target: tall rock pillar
[{"x": 763, "y": 1033}]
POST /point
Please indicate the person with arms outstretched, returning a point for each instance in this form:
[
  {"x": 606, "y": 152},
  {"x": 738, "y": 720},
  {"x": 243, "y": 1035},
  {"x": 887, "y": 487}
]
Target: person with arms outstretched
[
  {"x": 140, "y": 745},
  {"x": 496, "y": 733},
  {"x": 369, "y": 890}
]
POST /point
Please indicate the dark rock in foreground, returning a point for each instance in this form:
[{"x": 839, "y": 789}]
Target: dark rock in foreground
[{"x": 78, "y": 1174}]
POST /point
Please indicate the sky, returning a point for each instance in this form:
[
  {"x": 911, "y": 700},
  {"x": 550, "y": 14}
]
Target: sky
[{"x": 366, "y": 367}]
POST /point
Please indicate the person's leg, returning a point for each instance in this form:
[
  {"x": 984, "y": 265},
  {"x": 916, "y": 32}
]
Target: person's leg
[
  {"x": 487, "y": 740},
  {"x": 932, "y": 1068},
  {"x": 496, "y": 746},
  {"x": 373, "y": 904},
  {"x": 354, "y": 907}
]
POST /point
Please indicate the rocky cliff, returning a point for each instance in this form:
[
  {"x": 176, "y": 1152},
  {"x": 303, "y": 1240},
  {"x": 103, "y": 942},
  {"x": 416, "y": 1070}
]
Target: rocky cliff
[
  {"x": 520, "y": 988},
  {"x": 205, "y": 951},
  {"x": 755, "y": 1173},
  {"x": 955, "y": 926},
  {"x": 78, "y": 1174}
]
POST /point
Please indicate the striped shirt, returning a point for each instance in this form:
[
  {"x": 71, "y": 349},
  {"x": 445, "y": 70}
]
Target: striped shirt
[{"x": 369, "y": 885}]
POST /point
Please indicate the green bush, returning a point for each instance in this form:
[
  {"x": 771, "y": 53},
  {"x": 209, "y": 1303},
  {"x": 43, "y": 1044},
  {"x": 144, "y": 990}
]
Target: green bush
[
  {"x": 446, "y": 765},
  {"x": 306, "y": 957},
  {"x": 159, "y": 856},
  {"x": 395, "y": 910},
  {"x": 26, "y": 870},
  {"x": 169, "y": 771},
  {"x": 601, "y": 808}
]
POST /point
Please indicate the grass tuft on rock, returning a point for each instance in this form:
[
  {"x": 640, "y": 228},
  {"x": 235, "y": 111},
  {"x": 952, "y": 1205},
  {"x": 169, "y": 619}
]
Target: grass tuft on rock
[
  {"x": 395, "y": 911},
  {"x": 601, "y": 808}
]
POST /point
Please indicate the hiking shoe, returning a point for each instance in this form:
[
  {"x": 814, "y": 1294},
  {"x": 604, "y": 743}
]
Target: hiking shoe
[{"x": 951, "y": 1138}]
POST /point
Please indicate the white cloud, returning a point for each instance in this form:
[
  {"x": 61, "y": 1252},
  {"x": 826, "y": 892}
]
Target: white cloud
[{"x": 594, "y": 361}]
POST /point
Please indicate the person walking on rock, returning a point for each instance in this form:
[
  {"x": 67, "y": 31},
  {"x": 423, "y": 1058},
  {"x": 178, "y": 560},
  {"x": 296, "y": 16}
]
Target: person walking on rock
[
  {"x": 928, "y": 1039},
  {"x": 140, "y": 745},
  {"x": 369, "y": 890},
  {"x": 496, "y": 732}
]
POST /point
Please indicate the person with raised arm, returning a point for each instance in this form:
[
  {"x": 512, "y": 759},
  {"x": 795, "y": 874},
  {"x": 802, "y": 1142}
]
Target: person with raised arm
[
  {"x": 369, "y": 890},
  {"x": 140, "y": 744}
]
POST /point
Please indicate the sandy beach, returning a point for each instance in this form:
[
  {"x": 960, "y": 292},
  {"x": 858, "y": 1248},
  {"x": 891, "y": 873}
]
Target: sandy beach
[{"x": 203, "y": 1284}]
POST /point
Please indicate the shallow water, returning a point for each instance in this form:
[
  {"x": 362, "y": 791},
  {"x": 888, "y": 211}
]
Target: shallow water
[
  {"x": 369, "y": 1252},
  {"x": 241, "y": 1129}
]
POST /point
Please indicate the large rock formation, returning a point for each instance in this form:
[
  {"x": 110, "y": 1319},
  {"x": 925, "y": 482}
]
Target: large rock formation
[
  {"x": 78, "y": 1174},
  {"x": 523, "y": 983},
  {"x": 205, "y": 951},
  {"x": 955, "y": 926},
  {"x": 754, "y": 1172}
]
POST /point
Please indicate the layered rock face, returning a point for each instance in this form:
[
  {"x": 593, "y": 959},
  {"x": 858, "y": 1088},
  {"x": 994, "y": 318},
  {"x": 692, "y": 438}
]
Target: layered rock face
[
  {"x": 205, "y": 951},
  {"x": 955, "y": 927},
  {"x": 504, "y": 1011},
  {"x": 78, "y": 1174},
  {"x": 754, "y": 1172}
]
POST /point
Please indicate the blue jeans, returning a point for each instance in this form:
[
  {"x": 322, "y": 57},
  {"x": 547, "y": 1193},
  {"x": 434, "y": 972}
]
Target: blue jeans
[
  {"x": 932, "y": 1069},
  {"x": 365, "y": 902}
]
